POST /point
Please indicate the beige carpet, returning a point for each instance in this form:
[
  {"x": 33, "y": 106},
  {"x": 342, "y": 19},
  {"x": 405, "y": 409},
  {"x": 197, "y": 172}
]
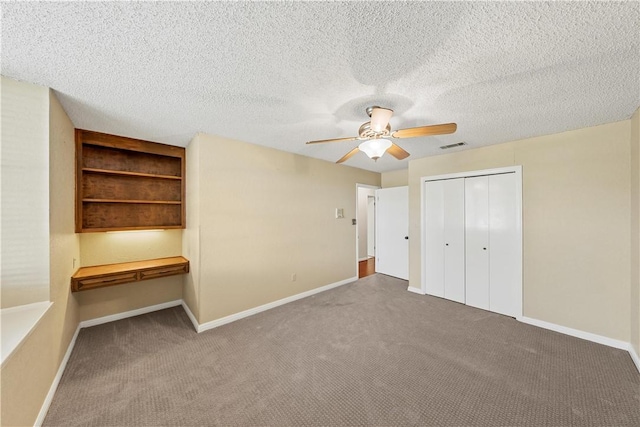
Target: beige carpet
[{"x": 368, "y": 353}]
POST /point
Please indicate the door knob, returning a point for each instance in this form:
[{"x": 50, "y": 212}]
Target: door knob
[
  {"x": 446, "y": 244},
  {"x": 484, "y": 249},
  {"x": 406, "y": 237}
]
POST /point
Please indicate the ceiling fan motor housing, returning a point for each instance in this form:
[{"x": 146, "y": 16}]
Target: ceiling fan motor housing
[{"x": 365, "y": 131}]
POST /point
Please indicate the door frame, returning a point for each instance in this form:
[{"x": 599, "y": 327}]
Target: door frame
[
  {"x": 495, "y": 171},
  {"x": 371, "y": 187},
  {"x": 371, "y": 225}
]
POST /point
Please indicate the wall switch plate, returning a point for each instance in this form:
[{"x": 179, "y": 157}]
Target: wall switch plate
[{"x": 339, "y": 213}]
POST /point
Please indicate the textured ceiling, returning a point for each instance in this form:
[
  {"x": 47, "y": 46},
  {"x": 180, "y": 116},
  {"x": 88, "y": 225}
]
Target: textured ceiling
[{"x": 280, "y": 74}]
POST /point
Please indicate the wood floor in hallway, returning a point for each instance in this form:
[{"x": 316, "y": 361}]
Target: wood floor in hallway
[{"x": 366, "y": 267}]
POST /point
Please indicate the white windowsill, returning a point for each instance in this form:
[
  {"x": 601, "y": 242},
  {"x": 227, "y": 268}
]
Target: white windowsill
[{"x": 17, "y": 324}]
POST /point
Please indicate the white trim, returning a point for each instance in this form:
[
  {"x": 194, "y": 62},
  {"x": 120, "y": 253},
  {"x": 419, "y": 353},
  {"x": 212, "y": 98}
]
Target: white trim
[
  {"x": 467, "y": 174},
  {"x": 56, "y": 381},
  {"x": 364, "y": 259},
  {"x": 193, "y": 319},
  {"x": 634, "y": 357},
  {"x": 517, "y": 169},
  {"x": 623, "y": 345},
  {"x": 255, "y": 310},
  {"x": 17, "y": 324},
  {"x": 132, "y": 313},
  {"x": 415, "y": 290}
]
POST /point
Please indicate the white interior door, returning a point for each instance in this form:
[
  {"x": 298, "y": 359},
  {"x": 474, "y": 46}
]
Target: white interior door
[
  {"x": 477, "y": 241},
  {"x": 434, "y": 238},
  {"x": 454, "y": 248},
  {"x": 505, "y": 290},
  {"x": 392, "y": 232}
]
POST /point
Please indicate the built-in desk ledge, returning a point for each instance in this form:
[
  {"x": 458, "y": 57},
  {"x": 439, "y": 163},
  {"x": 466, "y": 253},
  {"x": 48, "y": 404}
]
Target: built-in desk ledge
[
  {"x": 100, "y": 276},
  {"x": 17, "y": 324}
]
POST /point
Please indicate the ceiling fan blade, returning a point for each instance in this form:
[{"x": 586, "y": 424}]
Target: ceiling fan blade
[
  {"x": 397, "y": 152},
  {"x": 321, "y": 141},
  {"x": 348, "y": 155},
  {"x": 442, "y": 129}
]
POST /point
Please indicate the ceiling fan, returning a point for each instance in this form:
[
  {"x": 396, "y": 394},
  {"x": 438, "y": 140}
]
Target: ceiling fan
[{"x": 374, "y": 135}]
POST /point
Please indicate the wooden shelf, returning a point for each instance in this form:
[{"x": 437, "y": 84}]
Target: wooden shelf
[
  {"x": 100, "y": 276},
  {"x": 133, "y": 228},
  {"x": 161, "y": 202},
  {"x": 125, "y": 173},
  {"x": 128, "y": 184}
]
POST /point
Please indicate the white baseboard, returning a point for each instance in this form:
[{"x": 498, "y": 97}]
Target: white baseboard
[
  {"x": 623, "y": 345},
  {"x": 634, "y": 356},
  {"x": 193, "y": 319},
  {"x": 56, "y": 381},
  {"x": 132, "y": 313},
  {"x": 241, "y": 315},
  {"x": 415, "y": 290}
]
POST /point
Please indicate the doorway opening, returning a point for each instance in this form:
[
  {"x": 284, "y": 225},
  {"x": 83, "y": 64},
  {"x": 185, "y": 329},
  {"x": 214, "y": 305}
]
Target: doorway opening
[{"x": 365, "y": 229}]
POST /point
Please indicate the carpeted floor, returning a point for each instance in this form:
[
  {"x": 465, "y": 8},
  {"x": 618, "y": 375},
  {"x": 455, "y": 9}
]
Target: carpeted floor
[{"x": 367, "y": 353}]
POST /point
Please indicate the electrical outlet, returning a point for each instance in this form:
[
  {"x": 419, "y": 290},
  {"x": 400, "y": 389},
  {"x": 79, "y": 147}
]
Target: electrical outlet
[{"x": 293, "y": 277}]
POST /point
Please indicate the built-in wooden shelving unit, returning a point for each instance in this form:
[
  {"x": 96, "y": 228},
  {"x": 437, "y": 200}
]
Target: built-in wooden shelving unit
[{"x": 127, "y": 184}]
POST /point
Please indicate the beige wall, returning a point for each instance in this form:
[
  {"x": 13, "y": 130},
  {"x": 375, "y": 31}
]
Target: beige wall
[
  {"x": 28, "y": 374},
  {"x": 265, "y": 215},
  {"x": 108, "y": 248},
  {"x": 25, "y": 193},
  {"x": 635, "y": 231},
  {"x": 399, "y": 178},
  {"x": 131, "y": 296},
  {"x": 576, "y": 226}
]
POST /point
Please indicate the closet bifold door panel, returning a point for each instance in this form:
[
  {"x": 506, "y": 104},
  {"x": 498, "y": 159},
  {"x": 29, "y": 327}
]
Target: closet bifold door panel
[
  {"x": 454, "y": 240},
  {"x": 491, "y": 243},
  {"x": 477, "y": 241},
  {"x": 434, "y": 238},
  {"x": 503, "y": 272},
  {"x": 444, "y": 237}
]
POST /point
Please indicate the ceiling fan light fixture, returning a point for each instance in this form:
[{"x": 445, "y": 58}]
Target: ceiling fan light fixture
[
  {"x": 375, "y": 148},
  {"x": 380, "y": 118}
]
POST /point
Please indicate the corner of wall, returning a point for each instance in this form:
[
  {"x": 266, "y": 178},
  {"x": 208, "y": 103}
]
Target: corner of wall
[
  {"x": 635, "y": 232},
  {"x": 191, "y": 234},
  {"x": 64, "y": 242}
]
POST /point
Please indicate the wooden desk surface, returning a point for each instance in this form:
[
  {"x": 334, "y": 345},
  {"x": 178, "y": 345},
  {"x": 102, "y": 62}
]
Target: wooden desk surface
[{"x": 100, "y": 270}]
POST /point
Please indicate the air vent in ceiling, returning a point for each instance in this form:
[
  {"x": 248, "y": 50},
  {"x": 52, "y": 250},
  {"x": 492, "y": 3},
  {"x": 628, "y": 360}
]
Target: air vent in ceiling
[{"x": 457, "y": 144}]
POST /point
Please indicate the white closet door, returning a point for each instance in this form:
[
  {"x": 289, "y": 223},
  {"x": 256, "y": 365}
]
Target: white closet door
[
  {"x": 454, "y": 229},
  {"x": 477, "y": 241},
  {"x": 505, "y": 295},
  {"x": 434, "y": 238}
]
